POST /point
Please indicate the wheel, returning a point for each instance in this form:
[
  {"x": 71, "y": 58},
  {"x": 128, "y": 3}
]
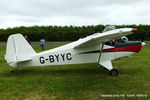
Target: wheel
[{"x": 114, "y": 72}]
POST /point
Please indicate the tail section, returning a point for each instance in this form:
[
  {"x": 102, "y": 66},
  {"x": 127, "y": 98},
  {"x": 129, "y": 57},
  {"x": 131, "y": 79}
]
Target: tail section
[{"x": 18, "y": 50}]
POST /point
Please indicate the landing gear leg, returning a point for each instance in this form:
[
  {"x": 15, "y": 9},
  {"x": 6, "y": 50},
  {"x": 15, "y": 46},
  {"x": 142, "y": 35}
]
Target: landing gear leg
[
  {"x": 114, "y": 72},
  {"x": 108, "y": 66}
]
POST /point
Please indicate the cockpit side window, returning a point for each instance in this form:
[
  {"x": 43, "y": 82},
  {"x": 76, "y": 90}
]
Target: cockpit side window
[
  {"x": 110, "y": 43},
  {"x": 116, "y": 41}
]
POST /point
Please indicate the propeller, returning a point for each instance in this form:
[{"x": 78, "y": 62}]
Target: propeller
[
  {"x": 141, "y": 36},
  {"x": 142, "y": 40}
]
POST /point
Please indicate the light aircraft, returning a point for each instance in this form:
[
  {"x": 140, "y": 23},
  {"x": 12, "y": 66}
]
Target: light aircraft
[{"x": 99, "y": 48}]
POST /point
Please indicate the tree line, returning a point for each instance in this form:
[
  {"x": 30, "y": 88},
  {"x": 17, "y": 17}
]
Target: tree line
[{"x": 69, "y": 33}]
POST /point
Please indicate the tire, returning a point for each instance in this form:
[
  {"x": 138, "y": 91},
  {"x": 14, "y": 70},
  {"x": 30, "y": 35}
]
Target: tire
[{"x": 114, "y": 72}]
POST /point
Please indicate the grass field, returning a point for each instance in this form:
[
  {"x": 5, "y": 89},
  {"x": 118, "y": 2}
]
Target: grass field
[{"x": 77, "y": 82}]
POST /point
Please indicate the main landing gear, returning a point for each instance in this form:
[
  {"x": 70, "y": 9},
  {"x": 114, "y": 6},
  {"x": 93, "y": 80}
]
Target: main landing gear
[{"x": 114, "y": 72}]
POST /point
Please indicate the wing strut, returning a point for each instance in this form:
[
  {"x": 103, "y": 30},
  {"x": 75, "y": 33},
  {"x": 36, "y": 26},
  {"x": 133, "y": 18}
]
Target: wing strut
[
  {"x": 107, "y": 63},
  {"x": 101, "y": 50}
]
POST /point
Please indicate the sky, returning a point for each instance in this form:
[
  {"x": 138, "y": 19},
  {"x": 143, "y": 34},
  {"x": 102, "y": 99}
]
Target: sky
[{"x": 15, "y": 13}]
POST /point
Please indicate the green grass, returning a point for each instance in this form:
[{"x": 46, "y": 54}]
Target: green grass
[
  {"x": 147, "y": 41},
  {"x": 76, "y": 82}
]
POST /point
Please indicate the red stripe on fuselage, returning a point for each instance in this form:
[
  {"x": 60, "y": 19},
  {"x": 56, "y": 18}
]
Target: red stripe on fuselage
[{"x": 135, "y": 48}]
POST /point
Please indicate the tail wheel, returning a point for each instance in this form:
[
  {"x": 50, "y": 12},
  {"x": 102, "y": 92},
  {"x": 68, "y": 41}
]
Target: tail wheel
[{"x": 114, "y": 72}]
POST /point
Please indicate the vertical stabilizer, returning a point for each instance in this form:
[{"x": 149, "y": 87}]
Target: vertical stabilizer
[{"x": 18, "y": 49}]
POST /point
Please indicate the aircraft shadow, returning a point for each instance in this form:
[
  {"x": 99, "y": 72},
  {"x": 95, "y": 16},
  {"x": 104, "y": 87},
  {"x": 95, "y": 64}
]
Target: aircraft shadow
[{"x": 53, "y": 71}]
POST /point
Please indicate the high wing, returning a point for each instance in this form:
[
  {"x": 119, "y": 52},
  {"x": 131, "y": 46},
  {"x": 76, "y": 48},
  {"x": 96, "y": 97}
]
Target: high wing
[{"x": 98, "y": 38}]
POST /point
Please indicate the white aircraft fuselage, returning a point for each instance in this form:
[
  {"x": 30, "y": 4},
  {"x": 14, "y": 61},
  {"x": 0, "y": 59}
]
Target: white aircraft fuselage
[
  {"x": 91, "y": 49},
  {"x": 67, "y": 55}
]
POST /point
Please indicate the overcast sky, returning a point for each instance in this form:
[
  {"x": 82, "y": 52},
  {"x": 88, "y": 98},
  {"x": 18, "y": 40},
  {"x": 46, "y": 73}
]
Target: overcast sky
[{"x": 73, "y": 12}]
